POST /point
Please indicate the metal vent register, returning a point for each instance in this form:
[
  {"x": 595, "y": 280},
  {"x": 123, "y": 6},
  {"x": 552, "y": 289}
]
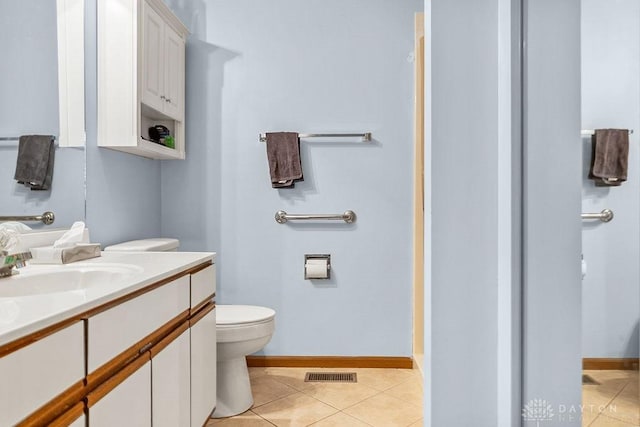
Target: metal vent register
[{"x": 331, "y": 377}]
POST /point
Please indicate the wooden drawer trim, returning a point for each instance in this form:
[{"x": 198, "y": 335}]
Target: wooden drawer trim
[
  {"x": 117, "y": 379},
  {"x": 16, "y": 345},
  {"x": 19, "y": 343},
  {"x": 117, "y": 363},
  {"x": 203, "y": 312},
  {"x": 69, "y": 417},
  {"x": 168, "y": 339},
  {"x": 204, "y": 302},
  {"x": 56, "y": 406}
]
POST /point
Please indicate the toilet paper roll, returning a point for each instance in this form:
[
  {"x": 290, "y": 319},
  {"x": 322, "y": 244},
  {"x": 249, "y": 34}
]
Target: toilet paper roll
[{"x": 316, "y": 269}]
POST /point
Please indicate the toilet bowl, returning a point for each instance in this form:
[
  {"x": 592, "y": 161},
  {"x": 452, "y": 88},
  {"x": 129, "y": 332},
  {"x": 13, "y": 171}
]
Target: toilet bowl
[{"x": 241, "y": 330}]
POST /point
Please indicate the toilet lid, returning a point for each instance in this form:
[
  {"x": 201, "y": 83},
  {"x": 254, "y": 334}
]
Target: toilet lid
[{"x": 239, "y": 314}]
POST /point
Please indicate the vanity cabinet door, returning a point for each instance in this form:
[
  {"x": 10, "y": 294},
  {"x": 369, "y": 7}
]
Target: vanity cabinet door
[
  {"x": 170, "y": 371},
  {"x": 124, "y": 399},
  {"x": 203, "y": 365},
  {"x": 35, "y": 374}
]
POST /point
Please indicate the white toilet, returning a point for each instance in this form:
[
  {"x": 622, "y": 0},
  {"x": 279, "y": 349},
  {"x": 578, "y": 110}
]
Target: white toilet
[{"x": 241, "y": 330}]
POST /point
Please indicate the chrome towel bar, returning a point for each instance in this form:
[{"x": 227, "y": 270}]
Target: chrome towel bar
[
  {"x": 347, "y": 216},
  {"x": 588, "y": 132},
  {"x": 46, "y": 218},
  {"x": 366, "y": 137},
  {"x": 605, "y": 215}
]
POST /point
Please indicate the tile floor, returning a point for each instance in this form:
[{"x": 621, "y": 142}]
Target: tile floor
[
  {"x": 615, "y": 402},
  {"x": 393, "y": 397},
  {"x": 380, "y": 398}
]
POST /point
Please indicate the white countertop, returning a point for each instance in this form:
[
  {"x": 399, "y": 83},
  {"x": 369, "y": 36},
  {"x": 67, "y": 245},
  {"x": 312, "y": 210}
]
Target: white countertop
[{"x": 20, "y": 316}]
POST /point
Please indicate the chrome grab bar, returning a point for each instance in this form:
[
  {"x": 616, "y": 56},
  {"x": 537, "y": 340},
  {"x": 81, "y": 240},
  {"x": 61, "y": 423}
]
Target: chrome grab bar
[
  {"x": 46, "y": 218},
  {"x": 605, "y": 216},
  {"x": 347, "y": 216}
]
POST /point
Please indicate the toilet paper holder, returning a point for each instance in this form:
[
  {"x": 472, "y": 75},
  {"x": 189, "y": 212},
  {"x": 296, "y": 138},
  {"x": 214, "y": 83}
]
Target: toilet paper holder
[{"x": 310, "y": 259}]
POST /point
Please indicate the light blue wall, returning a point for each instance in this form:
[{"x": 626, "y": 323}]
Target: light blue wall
[
  {"x": 551, "y": 344},
  {"x": 123, "y": 191},
  {"x": 29, "y": 105},
  {"x": 611, "y": 99},
  {"x": 464, "y": 204},
  {"x": 314, "y": 66}
]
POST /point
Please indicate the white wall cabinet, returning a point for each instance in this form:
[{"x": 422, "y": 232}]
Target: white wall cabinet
[
  {"x": 162, "y": 64},
  {"x": 141, "y": 77}
]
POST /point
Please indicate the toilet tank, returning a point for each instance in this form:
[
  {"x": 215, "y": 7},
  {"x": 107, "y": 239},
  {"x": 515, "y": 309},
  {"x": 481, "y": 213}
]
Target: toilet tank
[{"x": 146, "y": 245}]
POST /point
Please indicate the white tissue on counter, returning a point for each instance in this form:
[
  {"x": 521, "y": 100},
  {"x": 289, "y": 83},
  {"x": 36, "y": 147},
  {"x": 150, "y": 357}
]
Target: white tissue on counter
[{"x": 71, "y": 237}]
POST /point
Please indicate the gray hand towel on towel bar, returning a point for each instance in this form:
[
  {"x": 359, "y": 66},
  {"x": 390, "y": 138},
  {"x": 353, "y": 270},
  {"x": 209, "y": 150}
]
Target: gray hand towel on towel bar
[
  {"x": 34, "y": 166},
  {"x": 283, "y": 153},
  {"x": 610, "y": 156}
]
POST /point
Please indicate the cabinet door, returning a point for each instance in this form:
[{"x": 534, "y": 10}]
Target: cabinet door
[
  {"x": 35, "y": 374},
  {"x": 153, "y": 58},
  {"x": 174, "y": 74},
  {"x": 203, "y": 365},
  {"x": 170, "y": 373},
  {"x": 125, "y": 399}
]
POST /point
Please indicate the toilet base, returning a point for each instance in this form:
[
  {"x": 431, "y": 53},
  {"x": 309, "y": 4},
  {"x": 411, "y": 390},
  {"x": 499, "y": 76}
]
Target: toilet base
[{"x": 233, "y": 388}]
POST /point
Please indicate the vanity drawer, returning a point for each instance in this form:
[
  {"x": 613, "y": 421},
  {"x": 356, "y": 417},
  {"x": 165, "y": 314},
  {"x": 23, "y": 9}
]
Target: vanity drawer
[
  {"x": 203, "y": 286},
  {"x": 35, "y": 374},
  {"x": 117, "y": 329}
]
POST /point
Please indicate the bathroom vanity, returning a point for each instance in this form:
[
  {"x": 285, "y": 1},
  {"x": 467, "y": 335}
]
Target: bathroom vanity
[{"x": 124, "y": 339}]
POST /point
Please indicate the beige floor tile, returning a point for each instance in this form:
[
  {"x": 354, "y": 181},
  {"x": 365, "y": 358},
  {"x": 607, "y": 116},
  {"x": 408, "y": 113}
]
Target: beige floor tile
[
  {"x": 383, "y": 410},
  {"x": 409, "y": 391},
  {"x": 383, "y": 379},
  {"x": 339, "y": 395},
  {"x": 247, "y": 419},
  {"x": 266, "y": 389},
  {"x": 293, "y": 377},
  {"x": 418, "y": 423},
  {"x": 256, "y": 372},
  {"x": 605, "y": 421},
  {"x": 625, "y": 407},
  {"x": 594, "y": 400},
  {"x": 588, "y": 416},
  {"x": 295, "y": 410},
  {"x": 340, "y": 420}
]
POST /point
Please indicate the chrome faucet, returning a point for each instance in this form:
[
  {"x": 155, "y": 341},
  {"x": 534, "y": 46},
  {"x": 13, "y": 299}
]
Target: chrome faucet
[{"x": 10, "y": 262}]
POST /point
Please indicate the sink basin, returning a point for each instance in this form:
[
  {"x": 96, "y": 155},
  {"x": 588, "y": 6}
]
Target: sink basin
[{"x": 41, "y": 279}]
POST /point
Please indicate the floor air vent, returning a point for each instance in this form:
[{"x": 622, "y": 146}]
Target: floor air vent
[
  {"x": 331, "y": 377},
  {"x": 587, "y": 380}
]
